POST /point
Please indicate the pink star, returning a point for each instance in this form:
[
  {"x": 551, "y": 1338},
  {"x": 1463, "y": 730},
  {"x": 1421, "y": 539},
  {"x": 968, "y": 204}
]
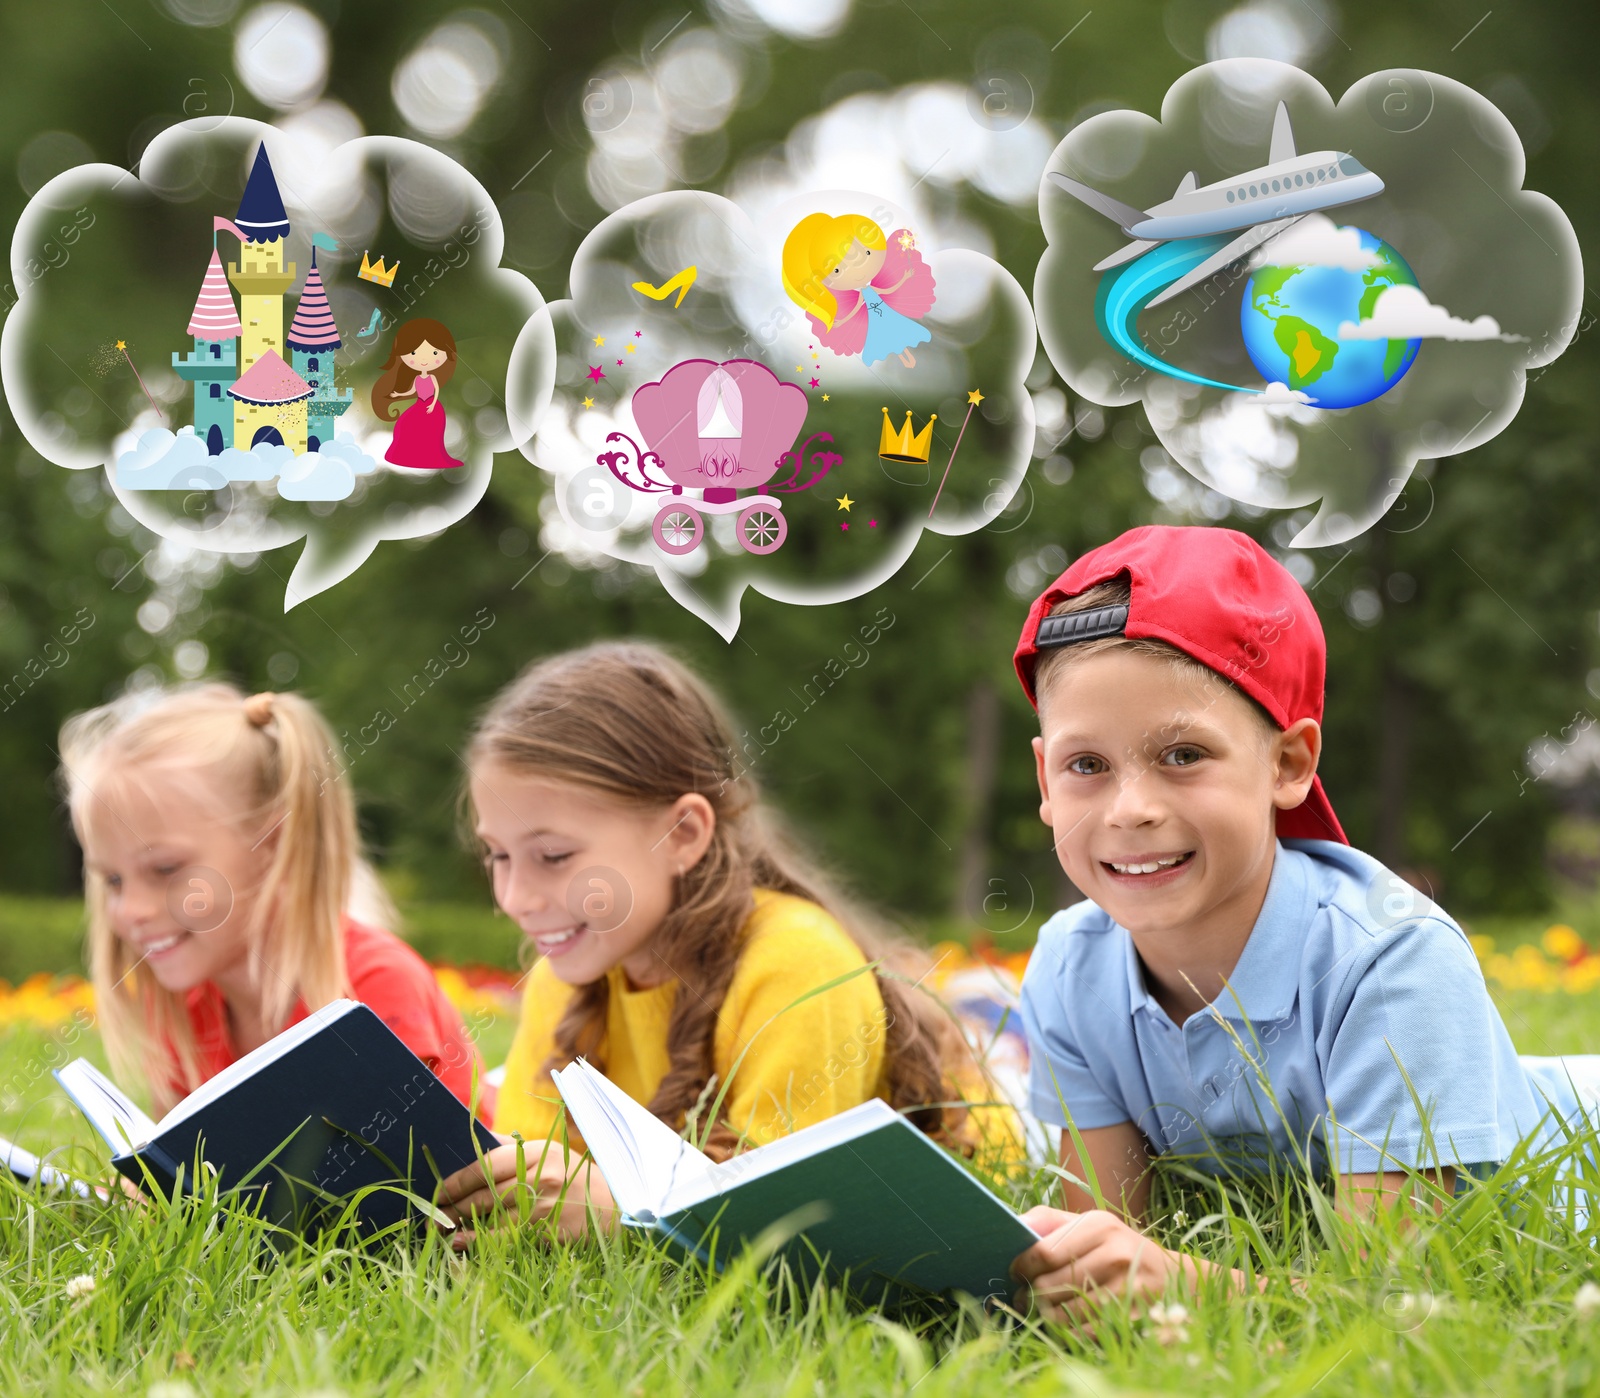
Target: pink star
[
  {"x": 815, "y": 384},
  {"x": 619, "y": 363},
  {"x": 872, "y": 524},
  {"x": 844, "y": 524},
  {"x": 596, "y": 372},
  {"x": 637, "y": 333}
]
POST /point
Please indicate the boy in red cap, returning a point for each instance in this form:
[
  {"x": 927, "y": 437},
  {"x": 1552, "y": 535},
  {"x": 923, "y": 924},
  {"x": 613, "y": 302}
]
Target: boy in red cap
[{"x": 1239, "y": 987}]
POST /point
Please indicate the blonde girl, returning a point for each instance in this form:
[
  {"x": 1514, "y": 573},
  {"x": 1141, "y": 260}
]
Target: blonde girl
[
  {"x": 680, "y": 933},
  {"x": 221, "y": 860},
  {"x": 863, "y": 293}
]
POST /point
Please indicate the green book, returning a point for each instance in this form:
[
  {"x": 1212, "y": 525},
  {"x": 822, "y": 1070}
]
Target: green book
[{"x": 888, "y": 1215}]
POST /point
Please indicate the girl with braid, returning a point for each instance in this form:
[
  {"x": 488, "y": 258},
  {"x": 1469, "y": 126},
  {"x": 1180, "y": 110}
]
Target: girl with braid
[{"x": 687, "y": 947}]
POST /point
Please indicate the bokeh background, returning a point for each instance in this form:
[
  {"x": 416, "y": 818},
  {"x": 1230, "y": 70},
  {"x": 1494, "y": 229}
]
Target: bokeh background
[{"x": 1463, "y": 629}]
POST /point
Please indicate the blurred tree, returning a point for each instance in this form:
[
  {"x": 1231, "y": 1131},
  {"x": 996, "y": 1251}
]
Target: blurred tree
[{"x": 1454, "y": 641}]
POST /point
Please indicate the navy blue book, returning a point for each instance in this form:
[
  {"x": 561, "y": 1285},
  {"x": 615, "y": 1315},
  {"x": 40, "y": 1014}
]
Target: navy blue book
[{"x": 330, "y": 1107}]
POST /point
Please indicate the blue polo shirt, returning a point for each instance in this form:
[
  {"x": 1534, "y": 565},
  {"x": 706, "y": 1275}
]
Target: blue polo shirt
[{"x": 1347, "y": 977}]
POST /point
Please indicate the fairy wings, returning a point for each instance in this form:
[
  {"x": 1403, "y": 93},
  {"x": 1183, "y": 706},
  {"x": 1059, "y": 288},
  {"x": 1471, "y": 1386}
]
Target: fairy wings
[{"x": 914, "y": 298}]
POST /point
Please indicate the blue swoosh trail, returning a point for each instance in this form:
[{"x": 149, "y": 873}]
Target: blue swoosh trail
[{"x": 1125, "y": 291}]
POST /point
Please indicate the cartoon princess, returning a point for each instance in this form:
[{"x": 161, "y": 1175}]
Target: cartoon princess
[
  {"x": 862, "y": 292},
  {"x": 420, "y": 363}
]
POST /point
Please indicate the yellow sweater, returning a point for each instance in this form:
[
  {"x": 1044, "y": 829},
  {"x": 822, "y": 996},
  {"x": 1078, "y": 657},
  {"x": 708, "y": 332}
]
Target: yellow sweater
[{"x": 790, "y": 1064}]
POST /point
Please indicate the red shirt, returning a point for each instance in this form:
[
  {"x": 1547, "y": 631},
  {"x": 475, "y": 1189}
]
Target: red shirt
[{"x": 387, "y": 975}]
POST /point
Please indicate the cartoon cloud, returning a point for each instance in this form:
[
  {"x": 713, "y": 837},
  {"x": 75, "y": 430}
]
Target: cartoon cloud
[
  {"x": 1307, "y": 297},
  {"x": 708, "y": 422},
  {"x": 251, "y": 427}
]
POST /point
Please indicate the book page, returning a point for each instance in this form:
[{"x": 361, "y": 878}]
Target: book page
[
  {"x": 243, "y": 1069},
  {"x": 109, "y": 1110},
  {"x": 642, "y": 1158},
  {"x": 25, "y": 1165}
]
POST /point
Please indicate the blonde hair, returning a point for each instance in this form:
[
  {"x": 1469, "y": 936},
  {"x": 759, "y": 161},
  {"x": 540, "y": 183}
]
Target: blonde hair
[
  {"x": 813, "y": 249},
  {"x": 275, "y": 756},
  {"x": 628, "y": 721}
]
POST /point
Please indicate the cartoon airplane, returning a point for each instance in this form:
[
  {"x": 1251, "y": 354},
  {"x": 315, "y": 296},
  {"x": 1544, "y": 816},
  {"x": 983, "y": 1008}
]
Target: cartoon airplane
[{"x": 1263, "y": 202}]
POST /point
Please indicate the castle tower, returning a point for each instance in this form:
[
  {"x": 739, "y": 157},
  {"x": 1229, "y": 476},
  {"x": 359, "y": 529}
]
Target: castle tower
[
  {"x": 313, "y": 338},
  {"x": 211, "y": 366},
  {"x": 269, "y": 405},
  {"x": 261, "y": 275}
]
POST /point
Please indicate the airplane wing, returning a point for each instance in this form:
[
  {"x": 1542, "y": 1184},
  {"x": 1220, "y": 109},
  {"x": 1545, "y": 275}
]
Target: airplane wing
[
  {"x": 1126, "y": 253},
  {"x": 1242, "y": 246},
  {"x": 1123, "y": 215}
]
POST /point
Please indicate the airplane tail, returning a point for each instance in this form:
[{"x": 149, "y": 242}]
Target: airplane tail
[{"x": 1123, "y": 215}]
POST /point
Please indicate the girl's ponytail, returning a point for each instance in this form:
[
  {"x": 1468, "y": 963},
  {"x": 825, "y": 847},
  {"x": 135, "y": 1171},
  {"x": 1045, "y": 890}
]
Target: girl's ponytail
[{"x": 310, "y": 823}]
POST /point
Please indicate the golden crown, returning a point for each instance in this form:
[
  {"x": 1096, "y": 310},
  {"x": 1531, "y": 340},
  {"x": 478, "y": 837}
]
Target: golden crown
[
  {"x": 904, "y": 445},
  {"x": 374, "y": 272}
]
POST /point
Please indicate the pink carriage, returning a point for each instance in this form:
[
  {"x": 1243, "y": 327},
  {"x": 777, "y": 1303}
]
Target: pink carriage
[{"x": 718, "y": 428}]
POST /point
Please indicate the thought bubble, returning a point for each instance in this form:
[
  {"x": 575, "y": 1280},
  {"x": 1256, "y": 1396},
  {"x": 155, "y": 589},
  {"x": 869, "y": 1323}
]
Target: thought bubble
[
  {"x": 1307, "y": 297},
  {"x": 170, "y": 331},
  {"x": 708, "y": 426}
]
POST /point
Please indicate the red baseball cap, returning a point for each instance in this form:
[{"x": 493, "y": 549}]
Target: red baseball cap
[{"x": 1218, "y": 596}]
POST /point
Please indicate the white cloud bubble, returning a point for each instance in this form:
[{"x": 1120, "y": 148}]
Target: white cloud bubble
[
  {"x": 978, "y": 330},
  {"x": 1404, "y": 313},
  {"x": 1277, "y": 392},
  {"x": 316, "y": 477},
  {"x": 1376, "y": 413},
  {"x": 153, "y": 471},
  {"x": 1316, "y": 241},
  {"x": 163, "y": 460}
]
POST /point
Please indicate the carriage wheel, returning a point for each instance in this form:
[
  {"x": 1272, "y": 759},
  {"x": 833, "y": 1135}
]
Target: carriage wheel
[
  {"x": 762, "y": 529},
  {"x": 678, "y": 529}
]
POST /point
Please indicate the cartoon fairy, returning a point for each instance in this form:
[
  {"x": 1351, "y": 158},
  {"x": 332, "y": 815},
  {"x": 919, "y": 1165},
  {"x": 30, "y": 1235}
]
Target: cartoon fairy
[
  {"x": 863, "y": 293},
  {"x": 420, "y": 363}
]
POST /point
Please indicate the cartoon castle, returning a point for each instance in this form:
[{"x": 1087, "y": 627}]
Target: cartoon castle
[{"x": 250, "y": 394}]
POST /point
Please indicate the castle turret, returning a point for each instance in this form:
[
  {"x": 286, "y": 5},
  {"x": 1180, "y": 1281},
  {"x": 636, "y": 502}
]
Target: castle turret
[
  {"x": 261, "y": 274},
  {"x": 313, "y": 339},
  {"x": 212, "y": 365}
]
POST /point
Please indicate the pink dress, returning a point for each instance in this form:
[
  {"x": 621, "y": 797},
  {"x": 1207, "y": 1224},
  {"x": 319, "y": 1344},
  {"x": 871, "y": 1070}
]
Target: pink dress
[{"x": 419, "y": 435}]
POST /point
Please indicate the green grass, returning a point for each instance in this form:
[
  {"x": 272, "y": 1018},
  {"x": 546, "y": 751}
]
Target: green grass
[
  {"x": 192, "y": 1302},
  {"x": 1477, "y": 1301}
]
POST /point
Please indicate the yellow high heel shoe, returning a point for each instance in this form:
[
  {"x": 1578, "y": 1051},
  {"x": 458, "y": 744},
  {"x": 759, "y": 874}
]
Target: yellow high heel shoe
[{"x": 680, "y": 283}]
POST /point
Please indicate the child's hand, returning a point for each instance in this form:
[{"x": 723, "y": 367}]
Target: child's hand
[
  {"x": 1082, "y": 1257},
  {"x": 478, "y": 1193}
]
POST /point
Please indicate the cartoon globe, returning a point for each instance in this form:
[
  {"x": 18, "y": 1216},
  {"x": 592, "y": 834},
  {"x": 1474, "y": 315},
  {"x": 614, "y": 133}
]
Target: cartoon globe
[{"x": 1291, "y": 318}]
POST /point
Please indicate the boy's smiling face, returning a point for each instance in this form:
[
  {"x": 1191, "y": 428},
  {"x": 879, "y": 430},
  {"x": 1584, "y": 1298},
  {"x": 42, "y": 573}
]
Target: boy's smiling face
[{"x": 1161, "y": 791}]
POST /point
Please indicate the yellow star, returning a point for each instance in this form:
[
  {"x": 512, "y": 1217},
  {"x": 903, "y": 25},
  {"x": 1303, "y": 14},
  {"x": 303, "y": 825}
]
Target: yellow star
[
  {"x": 588, "y": 402},
  {"x": 845, "y": 502},
  {"x": 631, "y": 348},
  {"x": 824, "y": 397},
  {"x": 974, "y": 397},
  {"x": 799, "y": 369},
  {"x": 599, "y": 339},
  {"x": 122, "y": 344}
]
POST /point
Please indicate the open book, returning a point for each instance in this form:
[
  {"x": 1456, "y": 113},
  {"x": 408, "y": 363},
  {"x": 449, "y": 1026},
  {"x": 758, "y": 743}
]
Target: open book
[
  {"x": 889, "y": 1214},
  {"x": 330, "y": 1106}
]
